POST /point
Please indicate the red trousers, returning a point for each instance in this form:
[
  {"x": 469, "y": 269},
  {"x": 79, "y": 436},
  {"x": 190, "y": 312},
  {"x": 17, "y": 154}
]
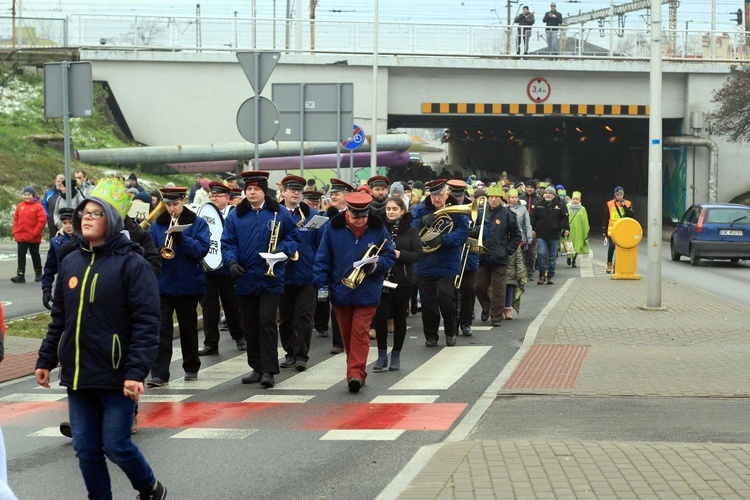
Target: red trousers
[{"x": 354, "y": 323}]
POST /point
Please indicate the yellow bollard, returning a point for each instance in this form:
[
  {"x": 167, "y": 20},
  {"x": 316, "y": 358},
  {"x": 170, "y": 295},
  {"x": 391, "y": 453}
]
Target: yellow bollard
[{"x": 626, "y": 234}]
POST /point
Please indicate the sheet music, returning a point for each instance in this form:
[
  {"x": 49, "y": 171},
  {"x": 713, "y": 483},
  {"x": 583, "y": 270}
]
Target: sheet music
[
  {"x": 368, "y": 260},
  {"x": 316, "y": 222},
  {"x": 178, "y": 228}
]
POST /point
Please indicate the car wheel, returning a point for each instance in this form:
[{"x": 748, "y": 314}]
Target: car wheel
[
  {"x": 734, "y": 261},
  {"x": 694, "y": 259},
  {"x": 675, "y": 256}
]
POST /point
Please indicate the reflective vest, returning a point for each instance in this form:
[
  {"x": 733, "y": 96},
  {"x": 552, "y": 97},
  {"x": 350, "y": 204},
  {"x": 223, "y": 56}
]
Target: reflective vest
[{"x": 615, "y": 213}]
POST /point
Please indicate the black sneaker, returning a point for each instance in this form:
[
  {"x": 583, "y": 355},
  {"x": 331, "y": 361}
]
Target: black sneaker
[
  {"x": 430, "y": 343},
  {"x": 157, "y": 492},
  {"x": 466, "y": 331},
  {"x": 253, "y": 378},
  {"x": 300, "y": 365},
  {"x": 65, "y": 429},
  {"x": 323, "y": 333},
  {"x": 241, "y": 345},
  {"x": 288, "y": 362},
  {"x": 156, "y": 382},
  {"x": 485, "y": 315},
  {"x": 450, "y": 340},
  {"x": 354, "y": 384}
]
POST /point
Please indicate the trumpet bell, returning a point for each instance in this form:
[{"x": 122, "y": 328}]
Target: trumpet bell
[
  {"x": 349, "y": 283},
  {"x": 167, "y": 253}
]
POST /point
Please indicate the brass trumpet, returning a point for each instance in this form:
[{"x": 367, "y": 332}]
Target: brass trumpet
[
  {"x": 167, "y": 252},
  {"x": 357, "y": 276},
  {"x": 295, "y": 255},
  {"x": 273, "y": 241}
]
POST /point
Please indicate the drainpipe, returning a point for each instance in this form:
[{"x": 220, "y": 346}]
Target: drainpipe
[
  {"x": 713, "y": 160},
  {"x": 230, "y": 151}
]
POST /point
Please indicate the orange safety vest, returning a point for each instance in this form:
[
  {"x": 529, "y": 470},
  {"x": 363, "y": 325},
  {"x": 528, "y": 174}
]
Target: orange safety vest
[{"x": 614, "y": 214}]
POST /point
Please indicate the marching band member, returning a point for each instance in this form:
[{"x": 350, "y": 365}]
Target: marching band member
[
  {"x": 347, "y": 238},
  {"x": 297, "y": 306},
  {"x": 235, "y": 196},
  {"x": 467, "y": 292},
  {"x": 437, "y": 271},
  {"x": 379, "y": 185},
  {"x": 256, "y": 226},
  {"x": 396, "y": 301},
  {"x": 181, "y": 283},
  {"x": 338, "y": 190},
  {"x": 312, "y": 199},
  {"x": 501, "y": 239},
  {"x": 220, "y": 285}
]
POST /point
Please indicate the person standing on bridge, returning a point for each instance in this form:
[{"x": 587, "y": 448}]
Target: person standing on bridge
[
  {"x": 524, "y": 20},
  {"x": 553, "y": 20}
]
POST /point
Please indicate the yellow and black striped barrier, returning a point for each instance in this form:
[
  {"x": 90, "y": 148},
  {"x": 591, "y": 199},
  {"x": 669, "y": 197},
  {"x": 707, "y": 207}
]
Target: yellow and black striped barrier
[{"x": 469, "y": 108}]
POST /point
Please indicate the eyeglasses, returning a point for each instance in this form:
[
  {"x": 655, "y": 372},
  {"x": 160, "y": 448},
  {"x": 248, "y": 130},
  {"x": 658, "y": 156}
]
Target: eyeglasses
[{"x": 96, "y": 214}]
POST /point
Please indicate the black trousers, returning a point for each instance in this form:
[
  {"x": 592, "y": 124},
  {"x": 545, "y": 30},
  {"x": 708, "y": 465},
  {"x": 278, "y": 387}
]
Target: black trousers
[
  {"x": 322, "y": 313},
  {"x": 220, "y": 287},
  {"x": 467, "y": 296},
  {"x": 438, "y": 298},
  {"x": 393, "y": 303},
  {"x": 186, "y": 307},
  {"x": 33, "y": 249},
  {"x": 259, "y": 325},
  {"x": 296, "y": 311}
]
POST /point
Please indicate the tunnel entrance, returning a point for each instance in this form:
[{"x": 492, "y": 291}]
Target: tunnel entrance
[{"x": 587, "y": 154}]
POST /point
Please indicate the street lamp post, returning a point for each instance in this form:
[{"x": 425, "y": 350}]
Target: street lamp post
[
  {"x": 374, "y": 133},
  {"x": 653, "y": 286}
]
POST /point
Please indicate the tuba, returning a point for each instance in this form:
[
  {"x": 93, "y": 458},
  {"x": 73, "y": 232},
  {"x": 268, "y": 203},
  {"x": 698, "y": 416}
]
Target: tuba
[
  {"x": 167, "y": 252},
  {"x": 444, "y": 224},
  {"x": 357, "y": 276}
]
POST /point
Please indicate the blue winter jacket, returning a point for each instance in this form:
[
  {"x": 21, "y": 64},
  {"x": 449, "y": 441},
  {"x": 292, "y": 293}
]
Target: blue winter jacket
[
  {"x": 339, "y": 249},
  {"x": 182, "y": 275},
  {"x": 105, "y": 313},
  {"x": 52, "y": 264},
  {"x": 246, "y": 235},
  {"x": 446, "y": 261},
  {"x": 300, "y": 272}
]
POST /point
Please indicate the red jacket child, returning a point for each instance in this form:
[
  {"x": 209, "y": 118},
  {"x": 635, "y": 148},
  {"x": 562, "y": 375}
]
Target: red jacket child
[{"x": 29, "y": 222}]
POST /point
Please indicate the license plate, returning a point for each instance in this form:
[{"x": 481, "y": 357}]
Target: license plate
[{"x": 730, "y": 232}]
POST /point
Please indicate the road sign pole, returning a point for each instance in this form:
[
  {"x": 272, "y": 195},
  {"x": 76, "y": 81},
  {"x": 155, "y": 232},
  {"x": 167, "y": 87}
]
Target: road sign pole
[
  {"x": 351, "y": 167},
  {"x": 338, "y": 129},
  {"x": 302, "y": 130},
  {"x": 256, "y": 87},
  {"x": 66, "y": 132}
]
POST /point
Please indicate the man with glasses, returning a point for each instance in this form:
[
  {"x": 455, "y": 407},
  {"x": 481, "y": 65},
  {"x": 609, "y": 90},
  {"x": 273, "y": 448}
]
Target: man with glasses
[
  {"x": 84, "y": 184},
  {"x": 313, "y": 199},
  {"x": 220, "y": 286},
  {"x": 181, "y": 284},
  {"x": 440, "y": 265}
]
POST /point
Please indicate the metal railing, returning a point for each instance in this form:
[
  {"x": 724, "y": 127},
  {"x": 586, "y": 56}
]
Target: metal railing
[
  {"x": 33, "y": 32},
  {"x": 356, "y": 37}
]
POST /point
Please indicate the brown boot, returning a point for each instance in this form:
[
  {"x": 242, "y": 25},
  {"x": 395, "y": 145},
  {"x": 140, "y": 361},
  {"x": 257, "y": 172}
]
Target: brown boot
[
  {"x": 609, "y": 267},
  {"x": 508, "y": 314}
]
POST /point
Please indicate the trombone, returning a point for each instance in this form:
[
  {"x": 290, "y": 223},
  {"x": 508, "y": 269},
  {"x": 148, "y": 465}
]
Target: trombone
[{"x": 472, "y": 245}]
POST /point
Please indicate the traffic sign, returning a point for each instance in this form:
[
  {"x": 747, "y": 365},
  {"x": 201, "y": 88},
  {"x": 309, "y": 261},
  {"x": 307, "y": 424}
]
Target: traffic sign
[
  {"x": 358, "y": 138},
  {"x": 80, "y": 89},
  {"x": 265, "y": 63},
  {"x": 538, "y": 90},
  {"x": 268, "y": 120}
]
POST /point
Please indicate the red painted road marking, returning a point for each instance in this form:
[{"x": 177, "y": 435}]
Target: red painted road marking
[
  {"x": 310, "y": 416},
  {"x": 549, "y": 367}
]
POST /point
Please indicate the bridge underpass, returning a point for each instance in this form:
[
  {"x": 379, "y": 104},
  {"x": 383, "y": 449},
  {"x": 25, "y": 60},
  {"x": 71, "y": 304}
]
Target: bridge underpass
[{"x": 588, "y": 154}]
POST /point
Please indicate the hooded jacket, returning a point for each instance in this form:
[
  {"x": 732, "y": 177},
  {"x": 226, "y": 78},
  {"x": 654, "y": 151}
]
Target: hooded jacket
[
  {"x": 339, "y": 249},
  {"x": 406, "y": 240},
  {"x": 105, "y": 313},
  {"x": 28, "y": 222},
  {"x": 501, "y": 236},
  {"x": 446, "y": 261},
  {"x": 246, "y": 235},
  {"x": 549, "y": 218}
]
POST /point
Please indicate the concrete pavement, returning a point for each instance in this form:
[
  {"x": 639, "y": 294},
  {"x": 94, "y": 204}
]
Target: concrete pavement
[{"x": 599, "y": 341}]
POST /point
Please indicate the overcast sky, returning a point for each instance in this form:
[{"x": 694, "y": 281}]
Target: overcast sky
[{"x": 697, "y": 12}]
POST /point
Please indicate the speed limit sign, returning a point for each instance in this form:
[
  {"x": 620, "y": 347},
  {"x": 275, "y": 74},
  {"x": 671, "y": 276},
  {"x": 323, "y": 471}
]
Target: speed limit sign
[{"x": 538, "y": 90}]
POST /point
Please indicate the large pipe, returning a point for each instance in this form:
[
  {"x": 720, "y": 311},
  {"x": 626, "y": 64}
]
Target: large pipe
[
  {"x": 230, "y": 151},
  {"x": 713, "y": 160},
  {"x": 361, "y": 160}
]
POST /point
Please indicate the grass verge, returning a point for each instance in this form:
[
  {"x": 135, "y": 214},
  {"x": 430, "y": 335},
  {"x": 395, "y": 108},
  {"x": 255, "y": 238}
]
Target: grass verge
[{"x": 30, "y": 327}]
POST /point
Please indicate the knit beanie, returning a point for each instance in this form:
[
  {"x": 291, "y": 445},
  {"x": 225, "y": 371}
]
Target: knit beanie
[
  {"x": 550, "y": 189},
  {"x": 619, "y": 189},
  {"x": 29, "y": 189},
  {"x": 396, "y": 189}
]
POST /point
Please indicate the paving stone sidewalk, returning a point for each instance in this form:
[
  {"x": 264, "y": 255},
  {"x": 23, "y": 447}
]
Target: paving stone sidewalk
[{"x": 600, "y": 340}]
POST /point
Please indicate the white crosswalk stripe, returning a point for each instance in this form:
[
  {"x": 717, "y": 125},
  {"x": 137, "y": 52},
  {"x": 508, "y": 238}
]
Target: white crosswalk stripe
[
  {"x": 442, "y": 370},
  {"x": 217, "y": 374},
  {"x": 204, "y": 433},
  {"x": 323, "y": 375},
  {"x": 362, "y": 435}
]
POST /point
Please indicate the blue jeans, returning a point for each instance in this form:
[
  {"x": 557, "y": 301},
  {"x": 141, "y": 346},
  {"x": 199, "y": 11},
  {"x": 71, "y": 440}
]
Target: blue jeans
[
  {"x": 101, "y": 424},
  {"x": 547, "y": 264}
]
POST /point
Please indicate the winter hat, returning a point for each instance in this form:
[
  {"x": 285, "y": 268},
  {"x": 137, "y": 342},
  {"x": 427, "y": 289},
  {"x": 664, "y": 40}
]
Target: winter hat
[
  {"x": 576, "y": 194},
  {"x": 205, "y": 183},
  {"x": 619, "y": 189},
  {"x": 550, "y": 189},
  {"x": 560, "y": 187},
  {"x": 66, "y": 213},
  {"x": 132, "y": 177},
  {"x": 418, "y": 185},
  {"x": 29, "y": 189},
  {"x": 113, "y": 191},
  {"x": 397, "y": 189}
]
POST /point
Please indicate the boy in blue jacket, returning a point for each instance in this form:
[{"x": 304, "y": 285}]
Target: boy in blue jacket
[{"x": 52, "y": 264}]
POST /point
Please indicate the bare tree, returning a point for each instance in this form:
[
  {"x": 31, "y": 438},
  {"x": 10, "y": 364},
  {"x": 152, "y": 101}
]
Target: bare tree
[
  {"x": 732, "y": 119},
  {"x": 145, "y": 32}
]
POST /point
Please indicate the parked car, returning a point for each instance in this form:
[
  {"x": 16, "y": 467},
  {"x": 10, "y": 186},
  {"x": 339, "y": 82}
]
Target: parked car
[{"x": 712, "y": 231}]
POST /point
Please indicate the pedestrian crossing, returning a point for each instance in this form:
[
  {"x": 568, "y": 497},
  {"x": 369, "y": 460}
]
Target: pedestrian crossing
[{"x": 168, "y": 407}]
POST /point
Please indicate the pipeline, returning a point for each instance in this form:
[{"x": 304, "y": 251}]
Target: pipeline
[
  {"x": 230, "y": 151},
  {"x": 713, "y": 160}
]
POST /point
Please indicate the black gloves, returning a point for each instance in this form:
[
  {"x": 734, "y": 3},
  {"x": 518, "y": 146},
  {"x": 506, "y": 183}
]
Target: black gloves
[
  {"x": 434, "y": 242},
  {"x": 47, "y": 298},
  {"x": 177, "y": 237},
  {"x": 474, "y": 232},
  {"x": 370, "y": 268},
  {"x": 427, "y": 220},
  {"x": 236, "y": 270}
]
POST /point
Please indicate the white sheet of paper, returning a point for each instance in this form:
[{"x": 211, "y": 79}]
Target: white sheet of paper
[
  {"x": 368, "y": 260},
  {"x": 389, "y": 284},
  {"x": 178, "y": 228},
  {"x": 273, "y": 258},
  {"x": 315, "y": 222}
]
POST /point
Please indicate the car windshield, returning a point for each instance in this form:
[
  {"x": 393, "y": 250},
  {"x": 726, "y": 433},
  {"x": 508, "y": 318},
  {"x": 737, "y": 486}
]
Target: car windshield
[{"x": 726, "y": 215}]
